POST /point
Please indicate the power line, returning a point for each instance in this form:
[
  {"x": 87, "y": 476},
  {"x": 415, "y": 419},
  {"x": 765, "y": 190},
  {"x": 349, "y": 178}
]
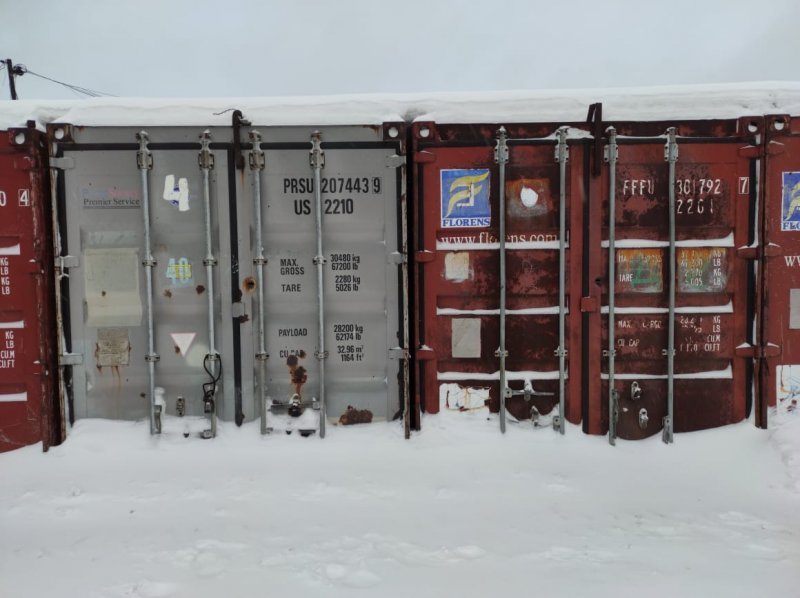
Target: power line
[
  {"x": 84, "y": 90},
  {"x": 21, "y": 69}
]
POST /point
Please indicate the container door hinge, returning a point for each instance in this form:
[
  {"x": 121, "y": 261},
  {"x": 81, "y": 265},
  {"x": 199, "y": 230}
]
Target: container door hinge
[
  {"x": 424, "y": 157},
  {"x": 64, "y": 262},
  {"x": 397, "y": 258},
  {"x": 589, "y": 305},
  {"x": 395, "y": 161},
  {"x": 70, "y": 359},
  {"x": 237, "y": 310},
  {"x": 751, "y": 151},
  {"x": 25, "y": 164},
  {"x": 425, "y": 354},
  {"x": 747, "y": 253},
  {"x": 398, "y": 353},
  {"x": 773, "y": 148},
  {"x": 424, "y": 256},
  {"x": 62, "y": 163},
  {"x": 751, "y": 253},
  {"x": 754, "y": 352}
]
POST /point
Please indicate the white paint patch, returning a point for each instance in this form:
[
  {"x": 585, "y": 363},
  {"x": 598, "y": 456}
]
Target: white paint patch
[
  {"x": 787, "y": 378},
  {"x": 528, "y": 311},
  {"x": 177, "y": 195},
  {"x": 529, "y": 197},
  {"x": 183, "y": 340},
  {"x": 455, "y": 397},
  {"x": 638, "y": 243},
  {"x": 17, "y": 324},
  {"x": 510, "y": 375},
  {"x": 456, "y": 266},
  {"x": 465, "y": 338},
  {"x": 17, "y": 397},
  {"x": 13, "y": 250},
  {"x": 725, "y": 374},
  {"x": 686, "y": 309}
]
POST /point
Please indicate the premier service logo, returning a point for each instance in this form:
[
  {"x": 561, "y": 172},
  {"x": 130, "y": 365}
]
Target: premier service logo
[{"x": 465, "y": 198}]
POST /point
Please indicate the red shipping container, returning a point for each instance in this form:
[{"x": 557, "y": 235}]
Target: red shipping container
[
  {"x": 778, "y": 350},
  {"x": 30, "y": 409},
  {"x": 457, "y": 184}
]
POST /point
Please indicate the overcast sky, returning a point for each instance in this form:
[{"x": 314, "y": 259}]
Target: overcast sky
[{"x": 193, "y": 48}]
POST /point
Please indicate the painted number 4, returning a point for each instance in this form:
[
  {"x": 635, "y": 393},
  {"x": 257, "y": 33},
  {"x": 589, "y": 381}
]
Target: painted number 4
[{"x": 24, "y": 198}]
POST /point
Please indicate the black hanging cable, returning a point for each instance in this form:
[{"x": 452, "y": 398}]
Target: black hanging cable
[
  {"x": 21, "y": 69},
  {"x": 210, "y": 388}
]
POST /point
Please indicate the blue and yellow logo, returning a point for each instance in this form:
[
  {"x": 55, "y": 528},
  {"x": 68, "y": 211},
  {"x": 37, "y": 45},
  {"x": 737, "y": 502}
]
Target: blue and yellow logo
[
  {"x": 465, "y": 198},
  {"x": 791, "y": 201}
]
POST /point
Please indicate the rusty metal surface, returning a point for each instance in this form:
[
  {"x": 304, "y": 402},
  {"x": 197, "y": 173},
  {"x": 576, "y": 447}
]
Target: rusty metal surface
[
  {"x": 30, "y": 410},
  {"x": 778, "y": 351},
  {"x": 713, "y": 317},
  {"x": 457, "y": 271}
]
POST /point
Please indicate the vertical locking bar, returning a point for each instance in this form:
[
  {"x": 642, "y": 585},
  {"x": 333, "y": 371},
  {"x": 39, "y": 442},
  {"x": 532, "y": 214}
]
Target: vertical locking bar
[
  {"x": 205, "y": 160},
  {"x": 317, "y": 159},
  {"x": 671, "y": 155},
  {"x": 257, "y": 164},
  {"x": 501, "y": 158},
  {"x": 611, "y": 158},
  {"x": 562, "y": 155},
  {"x": 612, "y": 393},
  {"x": 144, "y": 161}
]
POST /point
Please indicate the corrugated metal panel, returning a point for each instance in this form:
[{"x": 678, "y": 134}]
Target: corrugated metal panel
[
  {"x": 779, "y": 259},
  {"x": 459, "y": 283},
  {"x": 363, "y": 247},
  {"x": 103, "y": 204},
  {"x": 359, "y": 368},
  {"x": 713, "y": 315},
  {"x": 30, "y": 410},
  {"x": 458, "y": 253}
]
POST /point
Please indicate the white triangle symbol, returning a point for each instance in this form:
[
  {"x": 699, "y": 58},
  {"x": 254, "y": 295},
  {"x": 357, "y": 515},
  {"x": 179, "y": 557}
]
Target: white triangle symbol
[{"x": 183, "y": 340}]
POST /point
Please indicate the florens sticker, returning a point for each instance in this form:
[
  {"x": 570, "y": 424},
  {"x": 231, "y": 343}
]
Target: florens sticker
[
  {"x": 465, "y": 198},
  {"x": 791, "y": 201}
]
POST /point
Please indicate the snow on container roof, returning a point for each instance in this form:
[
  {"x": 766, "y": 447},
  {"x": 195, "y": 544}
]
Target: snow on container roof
[{"x": 639, "y": 103}]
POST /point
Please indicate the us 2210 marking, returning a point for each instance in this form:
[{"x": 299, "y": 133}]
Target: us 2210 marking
[{"x": 302, "y": 207}]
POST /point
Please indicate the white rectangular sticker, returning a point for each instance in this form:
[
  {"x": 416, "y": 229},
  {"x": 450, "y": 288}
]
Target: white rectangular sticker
[{"x": 17, "y": 397}]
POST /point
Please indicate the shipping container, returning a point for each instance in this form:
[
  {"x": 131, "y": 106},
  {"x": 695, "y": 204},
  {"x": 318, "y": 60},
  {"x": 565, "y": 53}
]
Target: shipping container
[
  {"x": 778, "y": 350},
  {"x": 325, "y": 273},
  {"x": 30, "y": 403},
  {"x": 498, "y": 290},
  {"x": 513, "y": 230},
  {"x": 195, "y": 257},
  {"x": 683, "y": 310},
  {"x": 149, "y": 298}
]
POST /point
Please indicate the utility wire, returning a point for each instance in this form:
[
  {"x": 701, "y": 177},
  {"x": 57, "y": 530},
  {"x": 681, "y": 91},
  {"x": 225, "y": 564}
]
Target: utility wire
[{"x": 21, "y": 69}]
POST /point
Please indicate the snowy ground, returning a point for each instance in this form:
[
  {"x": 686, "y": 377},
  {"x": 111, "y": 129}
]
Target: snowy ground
[{"x": 458, "y": 509}]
